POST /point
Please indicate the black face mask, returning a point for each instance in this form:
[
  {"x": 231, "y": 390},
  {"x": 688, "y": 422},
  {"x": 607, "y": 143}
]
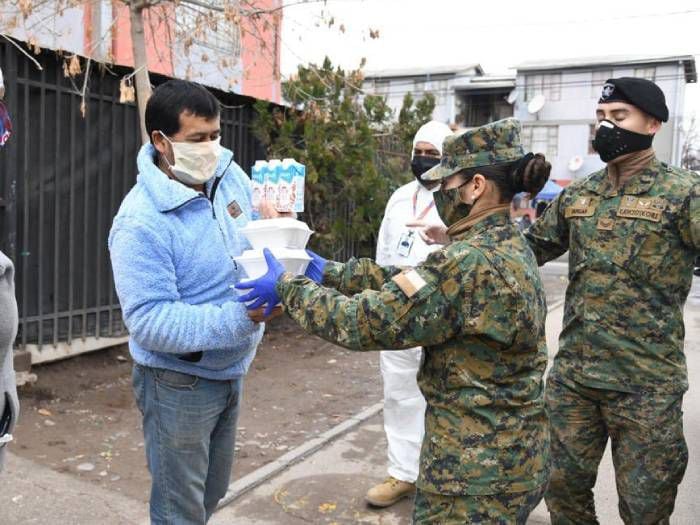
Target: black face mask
[
  {"x": 420, "y": 164},
  {"x": 611, "y": 141},
  {"x": 450, "y": 206}
]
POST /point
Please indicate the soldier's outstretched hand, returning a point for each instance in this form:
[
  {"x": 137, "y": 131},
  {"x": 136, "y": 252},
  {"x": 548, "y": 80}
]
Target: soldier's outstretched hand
[{"x": 430, "y": 233}]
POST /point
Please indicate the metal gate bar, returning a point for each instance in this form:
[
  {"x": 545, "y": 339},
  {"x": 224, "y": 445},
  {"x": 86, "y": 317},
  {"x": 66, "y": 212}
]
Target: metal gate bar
[{"x": 62, "y": 178}]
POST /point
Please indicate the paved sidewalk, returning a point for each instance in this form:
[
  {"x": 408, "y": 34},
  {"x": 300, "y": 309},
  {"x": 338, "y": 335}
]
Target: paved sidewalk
[{"x": 32, "y": 493}]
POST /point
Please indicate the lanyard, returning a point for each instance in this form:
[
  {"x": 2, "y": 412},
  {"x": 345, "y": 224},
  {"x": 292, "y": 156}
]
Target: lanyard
[{"x": 425, "y": 211}]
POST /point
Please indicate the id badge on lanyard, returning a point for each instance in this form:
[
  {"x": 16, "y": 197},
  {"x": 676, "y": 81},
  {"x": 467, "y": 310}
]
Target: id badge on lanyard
[
  {"x": 406, "y": 243},
  {"x": 409, "y": 236}
]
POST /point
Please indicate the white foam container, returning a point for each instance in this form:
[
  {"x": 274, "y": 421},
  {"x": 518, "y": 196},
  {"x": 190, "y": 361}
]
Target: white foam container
[
  {"x": 255, "y": 265},
  {"x": 284, "y": 232}
]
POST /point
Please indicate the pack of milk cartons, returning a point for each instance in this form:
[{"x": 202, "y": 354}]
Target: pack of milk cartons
[{"x": 280, "y": 182}]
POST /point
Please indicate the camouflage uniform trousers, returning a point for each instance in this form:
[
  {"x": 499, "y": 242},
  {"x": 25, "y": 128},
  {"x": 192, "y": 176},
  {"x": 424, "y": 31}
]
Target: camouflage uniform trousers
[
  {"x": 648, "y": 448},
  {"x": 493, "y": 509}
]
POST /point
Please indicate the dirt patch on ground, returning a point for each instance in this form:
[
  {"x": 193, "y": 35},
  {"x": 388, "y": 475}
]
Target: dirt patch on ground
[{"x": 80, "y": 417}]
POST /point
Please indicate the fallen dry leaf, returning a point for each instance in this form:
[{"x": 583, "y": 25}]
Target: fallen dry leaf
[{"x": 326, "y": 507}]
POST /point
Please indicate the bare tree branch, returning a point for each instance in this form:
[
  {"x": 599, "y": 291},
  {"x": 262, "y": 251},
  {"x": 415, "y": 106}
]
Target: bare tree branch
[
  {"x": 83, "y": 106},
  {"x": 258, "y": 11},
  {"x": 30, "y": 57},
  {"x": 204, "y": 5}
]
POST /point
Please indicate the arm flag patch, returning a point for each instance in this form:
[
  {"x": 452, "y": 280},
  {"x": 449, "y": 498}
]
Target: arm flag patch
[{"x": 410, "y": 282}]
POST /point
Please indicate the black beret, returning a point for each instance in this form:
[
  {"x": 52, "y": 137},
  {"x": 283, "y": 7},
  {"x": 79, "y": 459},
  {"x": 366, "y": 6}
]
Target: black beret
[{"x": 639, "y": 92}]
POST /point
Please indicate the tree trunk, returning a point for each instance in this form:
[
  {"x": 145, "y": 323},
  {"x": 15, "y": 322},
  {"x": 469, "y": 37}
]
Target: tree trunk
[{"x": 138, "y": 45}]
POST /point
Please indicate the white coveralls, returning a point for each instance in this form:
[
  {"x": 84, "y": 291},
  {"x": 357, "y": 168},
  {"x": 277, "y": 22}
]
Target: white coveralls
[{"x": 404, "y": 406}]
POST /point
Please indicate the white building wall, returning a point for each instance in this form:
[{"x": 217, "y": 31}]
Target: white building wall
[
  {"x": 211, "y": 72},
  {"x": 395, "y": 90}
]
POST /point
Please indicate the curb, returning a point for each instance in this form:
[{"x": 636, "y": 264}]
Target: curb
[{"x": 239, "y": 487}]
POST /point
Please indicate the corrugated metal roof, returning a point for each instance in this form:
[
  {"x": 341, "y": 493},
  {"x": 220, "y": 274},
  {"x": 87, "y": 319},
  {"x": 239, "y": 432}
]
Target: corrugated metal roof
[
  {"x": 423, "y": 71},
  {"x": 621, "y": 60}
]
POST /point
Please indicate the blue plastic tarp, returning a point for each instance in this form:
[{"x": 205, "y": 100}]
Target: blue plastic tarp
[{"x": 549, "y": 192}]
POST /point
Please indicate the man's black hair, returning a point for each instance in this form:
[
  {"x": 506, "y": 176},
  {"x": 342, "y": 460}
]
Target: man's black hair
[{"x": 174, "y": 97}]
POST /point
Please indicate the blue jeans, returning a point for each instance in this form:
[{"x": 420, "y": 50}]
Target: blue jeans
[{"x": 189, "y": 425}]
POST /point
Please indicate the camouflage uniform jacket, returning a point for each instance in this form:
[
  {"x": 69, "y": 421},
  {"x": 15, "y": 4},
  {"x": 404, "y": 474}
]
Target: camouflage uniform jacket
[
  {"x": 630, "y": 270},
  {"x": 477, "y": 307}
]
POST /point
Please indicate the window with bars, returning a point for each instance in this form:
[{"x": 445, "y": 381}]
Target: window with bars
[
  {"x": 381, "y": 87},
  {"x": 541, "y": 139},
  {"x": 645, "y": 72},
  {"x": 547, "y": 85},
  {"x": 209, "y": 28},
  {"x": 599, "y": 78}
]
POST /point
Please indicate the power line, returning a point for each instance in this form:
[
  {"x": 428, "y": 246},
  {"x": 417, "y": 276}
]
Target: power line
[{"x": 369, "y": 89}]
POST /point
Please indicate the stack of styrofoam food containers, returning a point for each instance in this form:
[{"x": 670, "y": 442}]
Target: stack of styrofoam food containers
[{"x": 285, "y": 237}]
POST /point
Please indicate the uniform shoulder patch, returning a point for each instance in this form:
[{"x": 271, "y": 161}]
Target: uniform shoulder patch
[{"x": 410, "y": 282}]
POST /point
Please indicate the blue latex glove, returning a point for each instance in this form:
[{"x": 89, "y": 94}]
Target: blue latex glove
[
  {"x": 317, "y": 265},
  {"x": 263, "y": 289}
]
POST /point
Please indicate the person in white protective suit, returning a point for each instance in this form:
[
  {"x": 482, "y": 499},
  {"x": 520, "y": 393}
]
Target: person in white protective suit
[{"x": 401, "y": 245}]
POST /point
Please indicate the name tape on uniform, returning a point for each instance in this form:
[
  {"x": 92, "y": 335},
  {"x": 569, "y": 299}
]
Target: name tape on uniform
[
  {"x": 410, "y": 282},
  {"x": 583, "y": 207},
  {"x": 647, "y": 208}
]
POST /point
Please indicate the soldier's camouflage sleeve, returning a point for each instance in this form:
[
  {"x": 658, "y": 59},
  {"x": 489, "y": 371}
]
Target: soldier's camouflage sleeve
[
  {"x": 357, "y": 275},
  {"x": 548, "y": 236},
  {"x": 689, "y": 220},
  {"x": 421, "y": 306}
]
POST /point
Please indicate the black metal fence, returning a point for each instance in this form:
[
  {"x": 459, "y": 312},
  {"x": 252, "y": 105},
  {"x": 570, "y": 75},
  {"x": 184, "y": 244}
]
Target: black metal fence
[{"x": 62, "y": 177}]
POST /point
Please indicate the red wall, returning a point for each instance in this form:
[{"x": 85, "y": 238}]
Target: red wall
[
  {"x": 261, "y": 45},
  {"x": 158, "y": 37}
]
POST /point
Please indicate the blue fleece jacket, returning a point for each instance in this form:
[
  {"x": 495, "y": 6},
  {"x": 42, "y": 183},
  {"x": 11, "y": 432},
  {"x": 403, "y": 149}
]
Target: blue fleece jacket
[{"x": 172, "y": 252}]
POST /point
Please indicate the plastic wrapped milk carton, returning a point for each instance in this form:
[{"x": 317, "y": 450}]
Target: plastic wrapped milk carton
[
  {"x": 279, "y": 182},
  {"x": 296, "y": 173},
  {"x": 272, "y": 181},
  {"x": 286, "y": 193},
  {"x": 258, "y": 185}
]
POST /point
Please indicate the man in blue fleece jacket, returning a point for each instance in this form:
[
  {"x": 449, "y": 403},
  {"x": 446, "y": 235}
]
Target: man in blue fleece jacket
[{"x": 172, "y": 246}]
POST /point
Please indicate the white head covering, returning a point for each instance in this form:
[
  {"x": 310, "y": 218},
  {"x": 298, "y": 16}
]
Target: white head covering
[{"x": 432, "y": 132}]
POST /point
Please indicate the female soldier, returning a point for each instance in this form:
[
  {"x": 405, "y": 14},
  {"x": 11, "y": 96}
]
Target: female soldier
[{"x": 478, "y": 308}]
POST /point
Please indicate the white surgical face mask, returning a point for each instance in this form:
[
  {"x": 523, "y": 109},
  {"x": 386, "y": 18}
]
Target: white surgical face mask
[{"x": 195, "y": 162}]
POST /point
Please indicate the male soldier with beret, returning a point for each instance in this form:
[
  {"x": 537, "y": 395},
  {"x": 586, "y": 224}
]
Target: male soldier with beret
[{"x": 632, "y": 230}]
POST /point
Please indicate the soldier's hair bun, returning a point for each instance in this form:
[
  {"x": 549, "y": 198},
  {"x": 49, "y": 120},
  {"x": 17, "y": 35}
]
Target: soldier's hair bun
[{"x": 530, "y": 174}]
